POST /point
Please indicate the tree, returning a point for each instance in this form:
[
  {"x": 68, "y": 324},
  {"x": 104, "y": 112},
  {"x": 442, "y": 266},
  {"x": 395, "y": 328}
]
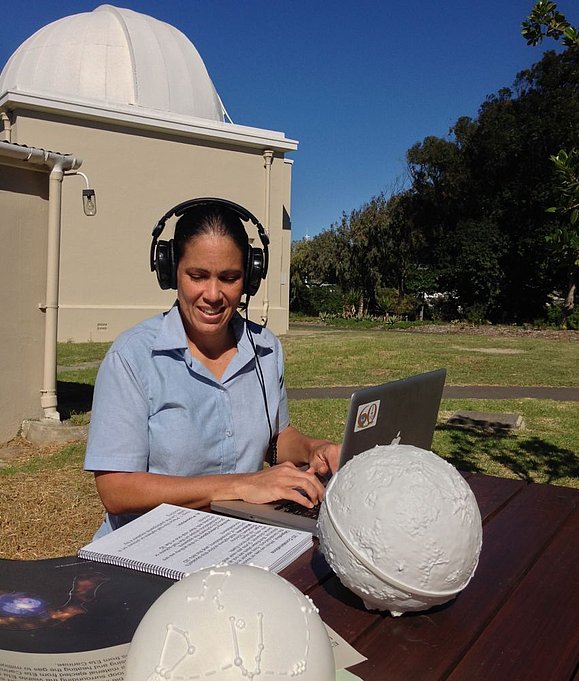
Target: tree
[
  {"x": 566, "y": 235},
  {"x": 490, "y": 180},
  {"x": 313, "y": 262},
  {"x": 545, "y": 21},
  {"x": 361, "y": 239}
]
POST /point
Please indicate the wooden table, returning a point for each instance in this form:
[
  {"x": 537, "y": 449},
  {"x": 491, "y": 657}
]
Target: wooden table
[{"x": 517, "y": 619}]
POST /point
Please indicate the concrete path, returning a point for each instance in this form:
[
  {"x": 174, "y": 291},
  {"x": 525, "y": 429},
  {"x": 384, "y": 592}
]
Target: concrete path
[{"x": 476, "y": 392}]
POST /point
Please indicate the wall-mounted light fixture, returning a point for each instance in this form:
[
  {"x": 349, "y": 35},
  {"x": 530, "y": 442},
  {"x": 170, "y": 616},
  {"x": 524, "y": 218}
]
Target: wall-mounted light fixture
[
  {"x": 88, "y": 195},
  {"x": 89, "y": 201}
]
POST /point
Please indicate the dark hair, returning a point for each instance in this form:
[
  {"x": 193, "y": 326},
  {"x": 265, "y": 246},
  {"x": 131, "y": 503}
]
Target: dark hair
[{"x": 209, "y": 219}]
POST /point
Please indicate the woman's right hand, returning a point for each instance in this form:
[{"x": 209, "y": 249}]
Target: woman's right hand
[{"x": 283, "y": 481}]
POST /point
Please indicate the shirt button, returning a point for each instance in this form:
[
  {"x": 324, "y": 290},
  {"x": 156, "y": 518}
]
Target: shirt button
[{"x": 228, "y": 433}]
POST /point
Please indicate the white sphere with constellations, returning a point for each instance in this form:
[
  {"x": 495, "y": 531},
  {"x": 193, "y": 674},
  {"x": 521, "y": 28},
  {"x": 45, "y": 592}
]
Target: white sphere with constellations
[
  {"x": 401, "y": 528},
  {"x": 231, "y": 622}
]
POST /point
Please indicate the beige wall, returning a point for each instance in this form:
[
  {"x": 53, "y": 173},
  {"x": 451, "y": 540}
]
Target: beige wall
[
  {"x": 105, "y": 282},
  {"x": 23, "y": 233}
]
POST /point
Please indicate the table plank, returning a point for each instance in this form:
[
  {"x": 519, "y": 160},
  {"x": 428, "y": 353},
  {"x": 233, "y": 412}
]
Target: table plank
[
  {"x": 309, "y": 570},
  {"x": 429, "y": 645},
  {"x": 342, "y": 610},
  {"x": 493, "y": 493},
  {"x": 535, "y": 636}
]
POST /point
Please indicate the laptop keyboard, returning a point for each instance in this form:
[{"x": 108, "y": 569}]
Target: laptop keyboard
[{"x": 297, "y": 509}]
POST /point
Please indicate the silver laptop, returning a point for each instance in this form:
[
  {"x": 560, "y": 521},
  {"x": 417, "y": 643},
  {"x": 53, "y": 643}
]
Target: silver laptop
[{"x": 405, "y": 409}]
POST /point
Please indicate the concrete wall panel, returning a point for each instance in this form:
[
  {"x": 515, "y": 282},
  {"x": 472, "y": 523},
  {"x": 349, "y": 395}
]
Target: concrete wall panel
[
  {"x": 23, "y": 233},
  {"x": 105, "y": 283}
]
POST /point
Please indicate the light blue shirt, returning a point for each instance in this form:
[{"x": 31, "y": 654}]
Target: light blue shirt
[{"x": 156, "y": 408}]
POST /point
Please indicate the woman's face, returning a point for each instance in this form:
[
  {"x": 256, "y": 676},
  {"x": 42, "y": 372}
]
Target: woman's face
[{"x": 209, "y": 285}]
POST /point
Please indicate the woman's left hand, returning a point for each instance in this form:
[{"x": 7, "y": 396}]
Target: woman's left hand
[
  {"x": 324, "y": 458},
  {"x": 321, "y": 456}
]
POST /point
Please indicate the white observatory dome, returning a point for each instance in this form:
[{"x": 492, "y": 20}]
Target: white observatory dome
[{"x": 114, "y": 58}]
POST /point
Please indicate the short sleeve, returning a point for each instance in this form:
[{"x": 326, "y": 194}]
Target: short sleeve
[{"x": 118, "y": 437}]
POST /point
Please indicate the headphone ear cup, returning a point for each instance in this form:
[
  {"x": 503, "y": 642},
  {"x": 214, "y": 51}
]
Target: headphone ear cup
[
  {"x": 165, "y": 265},
  {"x": 255, "y": 271}
]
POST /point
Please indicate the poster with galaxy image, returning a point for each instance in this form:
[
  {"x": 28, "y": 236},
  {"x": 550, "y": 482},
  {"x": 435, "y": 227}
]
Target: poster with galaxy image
[{"x": 68, "y": 606}]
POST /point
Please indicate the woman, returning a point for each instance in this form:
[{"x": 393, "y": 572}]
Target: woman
[{"x": 188, "y": 404}]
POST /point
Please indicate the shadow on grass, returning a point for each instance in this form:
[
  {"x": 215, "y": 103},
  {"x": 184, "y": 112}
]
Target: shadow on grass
[
  {"x": 529, "y": 458},
  {"x": 73, "y": 398}
]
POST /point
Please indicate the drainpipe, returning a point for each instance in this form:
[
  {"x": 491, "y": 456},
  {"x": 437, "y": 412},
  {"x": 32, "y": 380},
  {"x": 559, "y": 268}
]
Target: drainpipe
[
  {"x": 57, "y": 164},
  {"x": 267, "y": 161},
  {"x": 48, "y": 397}
]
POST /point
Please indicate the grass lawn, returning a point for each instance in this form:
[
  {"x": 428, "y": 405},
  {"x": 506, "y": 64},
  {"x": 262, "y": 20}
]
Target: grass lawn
[
  {"x": 544, "y": 450},
  {"x": 369, "y": 357},
  {"x": 38, "y": 492}
]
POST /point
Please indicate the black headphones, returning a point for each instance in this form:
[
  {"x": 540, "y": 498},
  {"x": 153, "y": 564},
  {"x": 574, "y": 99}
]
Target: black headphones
[{"x": 162, "y": 254}]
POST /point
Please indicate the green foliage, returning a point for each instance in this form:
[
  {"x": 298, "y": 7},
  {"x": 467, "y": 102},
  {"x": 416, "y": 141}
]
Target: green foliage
[
  {"x": 444, "y": 307},
  {"x": 386, "y": 300},
  {"x": 473, "y": 267},
  {"x": 545, "y": 21},
  {"x": 567, "y": 235},
  {"x": 371, "y": 248},
  {"x": 477, "y": 313},
  {"x": 318, "y": 299},
  {"x": 556, "y": 317},
  {"x": 313, "y": 274},
  {"x": 390, "y": 303}
]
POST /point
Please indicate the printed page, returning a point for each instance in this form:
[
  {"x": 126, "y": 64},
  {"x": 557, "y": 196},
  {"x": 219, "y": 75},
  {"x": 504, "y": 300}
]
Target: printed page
[
  {"x": 175, "y": 541},
  {"x": 108, "y": 664}
]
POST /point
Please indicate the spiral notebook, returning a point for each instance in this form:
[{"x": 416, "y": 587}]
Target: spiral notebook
[{"x": 173, "y": 542}]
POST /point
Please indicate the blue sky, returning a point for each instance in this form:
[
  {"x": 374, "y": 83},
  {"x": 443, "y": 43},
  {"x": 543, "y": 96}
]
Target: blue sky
[{"x": 356, "y": 83}]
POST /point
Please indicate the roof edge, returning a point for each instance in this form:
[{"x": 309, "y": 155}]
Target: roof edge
[{"x": 150, "y": 119}]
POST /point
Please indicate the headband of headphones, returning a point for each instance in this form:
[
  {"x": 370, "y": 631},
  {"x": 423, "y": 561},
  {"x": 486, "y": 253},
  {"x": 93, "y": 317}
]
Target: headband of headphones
[{"x": 162, "y": 253}]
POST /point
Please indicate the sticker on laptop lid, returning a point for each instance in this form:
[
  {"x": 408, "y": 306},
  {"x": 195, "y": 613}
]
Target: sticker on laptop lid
[{"x": 367, "y": 415}]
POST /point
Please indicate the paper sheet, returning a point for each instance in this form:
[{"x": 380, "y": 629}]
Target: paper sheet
[
  {"x": 344, "y": 654},
  {"x": 108, "y": 664}
]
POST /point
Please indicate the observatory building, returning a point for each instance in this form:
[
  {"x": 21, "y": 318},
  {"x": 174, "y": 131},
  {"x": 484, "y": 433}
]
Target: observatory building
[{"x": 120, "y": 103}]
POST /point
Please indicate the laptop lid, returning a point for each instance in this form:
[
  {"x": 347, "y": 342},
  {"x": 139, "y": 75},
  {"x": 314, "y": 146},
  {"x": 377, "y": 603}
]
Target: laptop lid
[{"x": 406, "y": 408}]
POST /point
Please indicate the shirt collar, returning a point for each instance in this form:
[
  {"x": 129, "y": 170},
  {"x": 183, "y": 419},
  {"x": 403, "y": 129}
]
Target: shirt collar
[{"x": 172, "y": 336}]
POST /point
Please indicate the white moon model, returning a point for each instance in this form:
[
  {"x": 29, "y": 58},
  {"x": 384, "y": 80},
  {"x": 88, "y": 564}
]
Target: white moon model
[
  {"x": 401, "y": 528},
  {"x": 231, "y": 622}
]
